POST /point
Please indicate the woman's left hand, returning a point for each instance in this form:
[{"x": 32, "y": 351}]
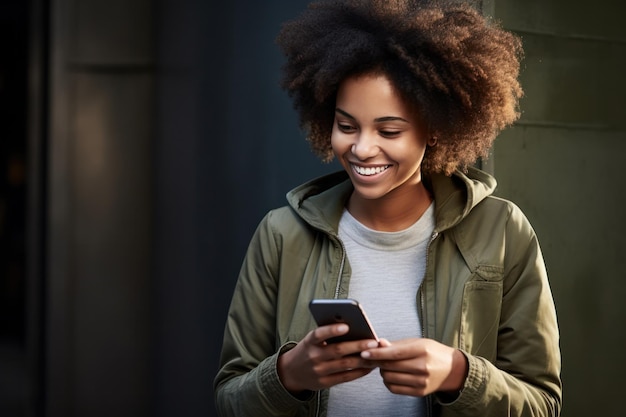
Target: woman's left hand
[{"x": 419, "y": 366}]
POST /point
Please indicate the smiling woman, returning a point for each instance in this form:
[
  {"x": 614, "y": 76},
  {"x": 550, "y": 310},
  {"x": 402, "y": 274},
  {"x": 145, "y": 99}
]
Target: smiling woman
[
  {"x": 380, "y": 141},
  {"x": 406, "y": 96}
]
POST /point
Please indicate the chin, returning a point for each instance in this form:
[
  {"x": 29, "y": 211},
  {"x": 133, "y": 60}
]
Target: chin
[{"x": 369, "y": 193}]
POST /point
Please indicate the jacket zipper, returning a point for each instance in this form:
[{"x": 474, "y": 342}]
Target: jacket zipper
[
  {"x": 341, "y": 266},
  {"x": 318, "y": 403},
  {"x": 429, "y": 400},
  {"x": 318, "y": 395},
  {"x": 421, "y": 308}
]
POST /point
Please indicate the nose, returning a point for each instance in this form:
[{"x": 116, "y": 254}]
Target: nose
[{"x": 365, "y": 146}]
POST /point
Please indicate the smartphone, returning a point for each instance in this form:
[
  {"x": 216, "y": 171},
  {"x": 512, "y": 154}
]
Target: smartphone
[{"x": 331, "y": 311}]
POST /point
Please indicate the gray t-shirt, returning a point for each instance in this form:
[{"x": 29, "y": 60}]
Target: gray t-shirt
[{"x": 387, "y": 270}]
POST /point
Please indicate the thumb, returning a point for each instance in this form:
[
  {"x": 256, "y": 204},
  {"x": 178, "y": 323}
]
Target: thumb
[{"x": 384, "y": 343}]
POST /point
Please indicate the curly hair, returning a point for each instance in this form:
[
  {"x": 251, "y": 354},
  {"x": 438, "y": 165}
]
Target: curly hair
[{"x": 458, "y": 68}]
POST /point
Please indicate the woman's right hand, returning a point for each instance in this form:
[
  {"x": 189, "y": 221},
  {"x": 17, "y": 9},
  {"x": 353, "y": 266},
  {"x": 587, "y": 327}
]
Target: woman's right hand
[{"x": 314, "y": 364}]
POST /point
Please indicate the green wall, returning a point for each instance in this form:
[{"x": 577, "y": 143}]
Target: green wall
[{"x": 562, "y": 164}]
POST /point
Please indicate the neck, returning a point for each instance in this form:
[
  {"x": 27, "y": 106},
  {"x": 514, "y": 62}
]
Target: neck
[{"x": 394, "y": 212}]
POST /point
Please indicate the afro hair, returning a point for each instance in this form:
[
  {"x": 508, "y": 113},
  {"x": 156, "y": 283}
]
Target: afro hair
[{"x": 458, "y": 68}]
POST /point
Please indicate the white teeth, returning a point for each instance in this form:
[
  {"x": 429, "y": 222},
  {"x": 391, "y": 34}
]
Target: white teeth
[{"x": 369, "y": 171}]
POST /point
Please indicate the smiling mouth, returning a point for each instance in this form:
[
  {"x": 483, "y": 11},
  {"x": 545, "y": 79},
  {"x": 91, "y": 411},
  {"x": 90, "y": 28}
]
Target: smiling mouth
[{"x": 370, "y": 170}]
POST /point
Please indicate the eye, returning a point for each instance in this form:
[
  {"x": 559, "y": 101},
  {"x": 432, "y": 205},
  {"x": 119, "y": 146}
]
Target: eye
[
  {"x": 389, "y": 133},
  {"x": 346, "y": 128}
]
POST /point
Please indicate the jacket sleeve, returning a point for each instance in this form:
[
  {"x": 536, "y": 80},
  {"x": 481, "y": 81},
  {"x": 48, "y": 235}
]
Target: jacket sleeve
[
  {"x": 524, "y": 379},
  {"x": 247, "y": 382}
]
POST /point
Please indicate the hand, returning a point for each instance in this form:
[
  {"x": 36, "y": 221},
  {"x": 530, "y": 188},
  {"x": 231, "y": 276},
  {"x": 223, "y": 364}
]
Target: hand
[
  {"x": 419, "y": 367},
  {"x": 314, "y": 364}
]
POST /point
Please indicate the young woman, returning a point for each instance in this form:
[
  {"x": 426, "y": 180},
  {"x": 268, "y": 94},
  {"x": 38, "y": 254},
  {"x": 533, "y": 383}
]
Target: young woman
[{"x": 406, "y": 97}]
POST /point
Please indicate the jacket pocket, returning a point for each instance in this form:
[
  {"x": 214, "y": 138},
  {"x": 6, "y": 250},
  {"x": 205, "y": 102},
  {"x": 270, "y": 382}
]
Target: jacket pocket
[{"x": 480, "y": 318}]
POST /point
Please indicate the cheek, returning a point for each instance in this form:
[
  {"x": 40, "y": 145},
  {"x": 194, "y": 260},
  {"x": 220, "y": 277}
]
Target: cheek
[
  {"x": 409, "y": 153},
  {"x": 415, "y": 146},
  {"x": 337, "y": 142}
]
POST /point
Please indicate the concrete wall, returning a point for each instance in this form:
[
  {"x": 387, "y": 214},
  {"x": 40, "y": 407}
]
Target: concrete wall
[
  {"x": 228, "y": 149},
  {"x": 563, "y": 164},
  {"x": 99, "y": 247}
]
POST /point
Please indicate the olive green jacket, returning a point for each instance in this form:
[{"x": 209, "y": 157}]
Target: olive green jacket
[{"x": 485, "y": 291}]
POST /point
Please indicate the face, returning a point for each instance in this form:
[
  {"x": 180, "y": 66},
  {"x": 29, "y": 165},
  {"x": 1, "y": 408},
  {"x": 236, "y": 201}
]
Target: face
[{"x": 377, "y": 138}]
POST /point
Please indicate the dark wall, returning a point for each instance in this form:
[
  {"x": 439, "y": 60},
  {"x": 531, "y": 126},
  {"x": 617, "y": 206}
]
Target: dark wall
[
  {"x": 562, "y": 164},
  {"x": 228, "y": 149},
  {"x": 167, "y": 138},
  {"x": 98, "y": 203},
  {"x": 14, "y": 27}
]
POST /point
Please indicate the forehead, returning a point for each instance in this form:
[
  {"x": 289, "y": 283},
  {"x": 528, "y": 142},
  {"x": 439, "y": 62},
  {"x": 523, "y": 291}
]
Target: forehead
[{"x": 371, "y": 94}]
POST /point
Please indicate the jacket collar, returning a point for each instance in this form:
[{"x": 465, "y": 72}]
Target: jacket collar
[
  {"x": 457, "y": 195},
  {"x": 320, "y": 202}
]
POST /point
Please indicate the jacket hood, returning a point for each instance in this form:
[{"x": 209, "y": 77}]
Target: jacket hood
[
  {"x": 457, "y": 195},
  {"x": 321, "y": 201}
]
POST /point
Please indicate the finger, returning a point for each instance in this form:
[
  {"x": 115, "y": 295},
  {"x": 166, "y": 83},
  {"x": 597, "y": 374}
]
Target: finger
[
  {"x": 404, "y": 378},
  {"x": 404, "y": 349},
  {"x": 352, "y": 347},
  {"x": 367, "y": 355},
  {"x": 341, "y": 364},
  {"x": 350, "y": 362},
  {"x": 405, "y": 384},
  {"x": 384, "y": 343},
  {"x": 323, "y": 333},
  {"x": 381, "y": 353},
  {"x": 404, "y": 366}
]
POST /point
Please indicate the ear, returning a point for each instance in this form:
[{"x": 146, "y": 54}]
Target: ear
[{"x": 432, "y": 141}]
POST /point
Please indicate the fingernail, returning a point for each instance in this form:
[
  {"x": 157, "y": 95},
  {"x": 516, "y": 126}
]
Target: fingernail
[
  {"x": 372, "y": 345},
  {"x": 365, "y": 355},
  {"x": 342, "y": 328}
]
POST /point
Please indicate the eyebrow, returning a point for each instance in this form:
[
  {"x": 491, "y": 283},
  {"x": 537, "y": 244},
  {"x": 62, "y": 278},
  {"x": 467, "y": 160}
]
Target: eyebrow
[{"x": 377, "y": 120}]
